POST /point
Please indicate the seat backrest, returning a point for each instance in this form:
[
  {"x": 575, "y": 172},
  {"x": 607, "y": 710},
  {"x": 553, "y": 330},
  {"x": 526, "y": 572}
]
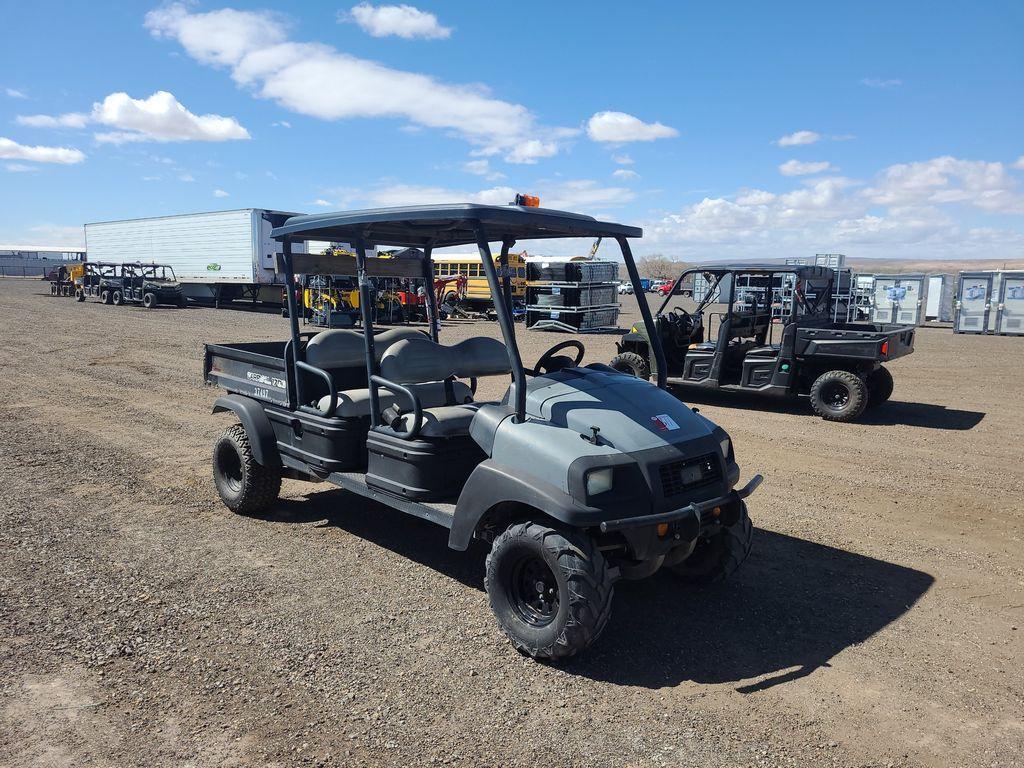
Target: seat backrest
[
  {"x": 344, "y": 347},
  {"x": 412, "y": 361}
]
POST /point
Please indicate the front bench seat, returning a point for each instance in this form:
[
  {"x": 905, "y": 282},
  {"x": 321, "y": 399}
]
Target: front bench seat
[{"x": 415, "y": 361}]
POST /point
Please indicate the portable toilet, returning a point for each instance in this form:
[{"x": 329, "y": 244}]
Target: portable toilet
[
  {"x": 899, "y": 299},
  {"x": 973, "y": 309}
]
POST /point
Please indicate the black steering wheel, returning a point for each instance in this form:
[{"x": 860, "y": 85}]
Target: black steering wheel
[
  {"x": 550, "y": 361},
  {"x": 683, "y": 324}
]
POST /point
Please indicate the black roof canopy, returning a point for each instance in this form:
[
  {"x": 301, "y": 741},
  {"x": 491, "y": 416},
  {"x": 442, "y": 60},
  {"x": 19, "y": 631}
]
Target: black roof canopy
[{"x": 440, "y": 226}]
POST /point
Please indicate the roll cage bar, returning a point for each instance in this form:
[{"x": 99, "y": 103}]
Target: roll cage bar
[{"x": 427, "y": 228}]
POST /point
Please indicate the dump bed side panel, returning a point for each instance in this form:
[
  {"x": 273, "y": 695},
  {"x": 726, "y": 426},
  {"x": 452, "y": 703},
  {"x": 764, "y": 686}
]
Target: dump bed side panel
[
  {"x": 256, "y": 370},
  {"x": 852, "y": 342}
]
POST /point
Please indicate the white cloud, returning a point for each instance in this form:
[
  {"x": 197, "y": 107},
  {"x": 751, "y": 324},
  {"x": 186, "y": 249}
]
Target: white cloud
[
  {"x": 318, "y": 80},
  {"x": 622, "y": 159},
  {"x": 910, "y": 210},
  {"x": 528, "y": 152},
  {"x": 161, "y": 117},
  {"x": 798, "y": 168},
  {"x": 977, "y": 183},
  {"x": 581, "y": 195},
  {"x": 878, "y": 82},
  {"x": 483, "y": 168},
  {"x": 69, "y": 120},
  {"x": 221, "y": 193},
  {"x": 14, "y": 93},
  {"x": 620, "y": 127},
  {"x": 12, "y": 150},
  {"x": 323, "y": 203},
  {"x": 186, "y": 177},
  {"x": 625, "y": 173},
  {"x": 1019, "y": 163},
  {"x": 799, "y": 139},
  {"x": 397, "y": 20},
  {"x": 20, "y": 167},
  {"x": 281, "y": 124}
]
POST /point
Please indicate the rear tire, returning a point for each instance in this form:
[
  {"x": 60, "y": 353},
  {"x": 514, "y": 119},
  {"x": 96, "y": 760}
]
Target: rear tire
[
  {"x": 550, "y": 590},
  {"x": 245, "y": 486},
  {"x": 80, "y": 295},
  {"x": 839, "y": 396},
  {"x": 880, "y": 386},
  {"x": 719, "y": 557},
  {"x": 105, "y": 297},
  {"x": 117, "y": 299},
  {"x": 632, "y": 363},
  {"x": 149, "y": 300}
]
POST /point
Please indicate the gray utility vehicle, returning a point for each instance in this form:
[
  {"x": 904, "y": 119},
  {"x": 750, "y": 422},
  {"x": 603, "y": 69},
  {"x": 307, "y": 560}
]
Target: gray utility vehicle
[
  {"x": 578, "y": 476},
  {"x": 777, "y": 334},
  {"x": 148, "y": 285}
]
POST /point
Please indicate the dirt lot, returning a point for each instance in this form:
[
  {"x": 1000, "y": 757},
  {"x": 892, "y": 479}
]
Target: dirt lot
[{"x": 878, "y": 621}]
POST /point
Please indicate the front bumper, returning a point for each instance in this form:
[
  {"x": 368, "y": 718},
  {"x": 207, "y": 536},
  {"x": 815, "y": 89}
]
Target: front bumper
[{"x": 699, "y": 510}]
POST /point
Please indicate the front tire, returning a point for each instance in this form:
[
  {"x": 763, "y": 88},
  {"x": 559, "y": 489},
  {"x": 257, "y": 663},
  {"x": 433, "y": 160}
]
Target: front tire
[
  {"x": 80, "y": 296},
  {"x": 550, "y": 590},
  {"x": 632, "y": 363},
  {"x": 880, "y": 386},
  {"x": 245, "y": 486},
  {"x": 719, "y": 557},
  {"x": 839, "y": 396}
]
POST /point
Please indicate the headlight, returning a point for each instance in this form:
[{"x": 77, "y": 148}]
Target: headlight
[{"x": 599, "y": 481}]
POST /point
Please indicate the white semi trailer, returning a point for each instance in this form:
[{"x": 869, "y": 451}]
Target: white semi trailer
[{"x": 217, "y": 256}]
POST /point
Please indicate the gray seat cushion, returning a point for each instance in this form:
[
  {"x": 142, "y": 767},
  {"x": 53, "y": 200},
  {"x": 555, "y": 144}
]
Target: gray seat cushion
[
  {"x": 443, "y": 421},
  {"x": 420, "y": 359},
  {"x": 771, "y": 350},
  {"x": 355, "y": 403},
  {"x": 346, "y": 348}
]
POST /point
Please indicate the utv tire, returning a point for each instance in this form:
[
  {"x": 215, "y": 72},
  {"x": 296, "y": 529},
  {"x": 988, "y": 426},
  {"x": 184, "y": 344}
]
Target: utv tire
[
  {"x": 245, "y": 486},
  {"x": 880, "y": 386},
  {"x": 839, "y": 396},
  {"x": 719, "y": 557},
  {"x": 80, "y": 295},
  {"x": 633, "y": 364},
  {"x": 105, "y": 297},
  {"x": 550, "y": 590},
  {"x": 117, "y": 299},
  {"x": 149, "y": 300}
]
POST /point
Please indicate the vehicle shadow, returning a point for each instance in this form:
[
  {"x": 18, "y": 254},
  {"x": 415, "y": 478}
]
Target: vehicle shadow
[
  {"x": 793, "y": 605},
  {"x": 888, "y": 414}
]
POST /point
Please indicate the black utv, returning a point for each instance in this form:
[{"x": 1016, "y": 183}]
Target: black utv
[
  {"x": 769, "y": 329},
  {"x": 149, "y": 285},
  {"x": 99, "y": 280}
]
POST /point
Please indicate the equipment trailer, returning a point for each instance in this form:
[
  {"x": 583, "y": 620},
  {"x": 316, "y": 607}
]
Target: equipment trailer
[
  {"x": 577, "y": 477},
  {"x": 838, "y": 365}
]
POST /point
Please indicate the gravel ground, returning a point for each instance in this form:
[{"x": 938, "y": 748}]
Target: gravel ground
[{"x": 877, "y": 622}]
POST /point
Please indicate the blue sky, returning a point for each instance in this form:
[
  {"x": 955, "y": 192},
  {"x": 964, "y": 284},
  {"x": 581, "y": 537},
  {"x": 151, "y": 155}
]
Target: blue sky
[{"x": 727, "y": 129}]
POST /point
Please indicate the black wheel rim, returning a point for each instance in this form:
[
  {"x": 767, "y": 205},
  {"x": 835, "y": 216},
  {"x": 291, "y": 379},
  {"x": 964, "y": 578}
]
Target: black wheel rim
[
  {"x": 835, "y": 395},
  {"x": 229, "y": 467},
  {"x": 533, "y": 591}
]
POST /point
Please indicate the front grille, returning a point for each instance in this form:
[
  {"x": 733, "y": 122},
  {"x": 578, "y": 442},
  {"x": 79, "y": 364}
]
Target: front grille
[{"x": 686, "y": 475}]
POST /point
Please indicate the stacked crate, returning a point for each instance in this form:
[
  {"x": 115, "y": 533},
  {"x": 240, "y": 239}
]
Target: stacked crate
[{"x": 573, "y": 296}]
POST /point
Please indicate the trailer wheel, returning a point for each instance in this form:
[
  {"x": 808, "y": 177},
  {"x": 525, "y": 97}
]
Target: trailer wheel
[
  {"x": 149, "y": 300},
  {"x": 117, "y": 299},
  {"x": 245, "y": 486},
  {"x": 880, "y": 386},
  {"x": 839, "y": 396},
  {"x": 717, "y": 558},
  {"x": 550, "y": 590},
  {"x": 632, "y": 363}
]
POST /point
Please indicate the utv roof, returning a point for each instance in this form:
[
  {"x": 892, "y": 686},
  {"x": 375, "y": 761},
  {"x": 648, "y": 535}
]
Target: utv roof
[
  {"x": 765, "y": 267},
  {"x": 440, "y": 226}
]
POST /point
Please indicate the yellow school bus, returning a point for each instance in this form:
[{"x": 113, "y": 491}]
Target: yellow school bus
[{"x": 477, "y": 290}]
